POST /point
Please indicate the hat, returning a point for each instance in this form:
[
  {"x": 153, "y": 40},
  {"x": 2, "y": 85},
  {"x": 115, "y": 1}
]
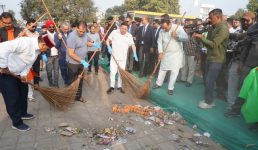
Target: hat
[
  {"x": 49, "y": 23},
  {"x": 49, "y": 42}
]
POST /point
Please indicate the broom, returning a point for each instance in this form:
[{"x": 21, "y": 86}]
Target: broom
[
  {"x": 130, "y": 82},
  {"x": 144, "y": 91},
  {"x": 60, "y": 98}
]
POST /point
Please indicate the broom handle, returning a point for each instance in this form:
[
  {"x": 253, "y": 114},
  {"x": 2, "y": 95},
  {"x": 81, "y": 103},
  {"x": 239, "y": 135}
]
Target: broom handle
[
  {"x": 102, "y": 40},
  {"x": 16, "y": 76},
  {"x": 27, "y": 28},
  {"x": 156, "y": 66},
  {"x": 53, "y": 22}
]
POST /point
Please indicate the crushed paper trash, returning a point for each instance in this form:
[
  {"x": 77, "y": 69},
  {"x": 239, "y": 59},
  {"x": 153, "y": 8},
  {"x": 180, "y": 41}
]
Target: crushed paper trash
[
  {"x": 130, "y": 130},
  {"x": 206, "y": 134}
]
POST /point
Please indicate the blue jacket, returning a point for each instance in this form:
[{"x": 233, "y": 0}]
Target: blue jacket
[{"x": 60, "y": 45}]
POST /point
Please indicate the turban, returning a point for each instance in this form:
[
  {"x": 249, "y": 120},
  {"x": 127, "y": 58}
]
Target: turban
[{"x": 49, "y": 23}]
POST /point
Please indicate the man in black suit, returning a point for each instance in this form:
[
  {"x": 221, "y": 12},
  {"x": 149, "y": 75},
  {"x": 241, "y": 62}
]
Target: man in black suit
[
  {"x": 144, "y": 40},
  {"x": 154, "y": 47},
  {"x": 132, "y": 30}
]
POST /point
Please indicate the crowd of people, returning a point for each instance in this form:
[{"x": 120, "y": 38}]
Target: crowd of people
[{"x": 225, "y": 48}]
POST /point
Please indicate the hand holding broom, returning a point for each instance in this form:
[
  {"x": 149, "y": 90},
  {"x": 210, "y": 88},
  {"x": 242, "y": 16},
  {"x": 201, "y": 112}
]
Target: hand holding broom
[{"x": 144, "y": 91}]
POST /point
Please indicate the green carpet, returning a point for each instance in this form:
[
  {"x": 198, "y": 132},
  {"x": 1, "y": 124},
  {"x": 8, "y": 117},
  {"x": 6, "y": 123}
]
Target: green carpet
[{"x": 232, "y": 133}]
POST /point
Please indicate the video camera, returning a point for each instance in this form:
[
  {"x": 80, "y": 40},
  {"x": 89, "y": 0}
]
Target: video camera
[{"x": 198, "y": 28}]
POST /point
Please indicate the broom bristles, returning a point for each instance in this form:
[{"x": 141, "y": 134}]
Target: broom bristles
[
  {"x": 130, "y": 82},
  {"x": 61, "y": 98},
  {"x": 144, "y": 91}
]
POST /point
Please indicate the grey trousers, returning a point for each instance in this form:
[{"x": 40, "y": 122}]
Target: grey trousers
[
  {"x": 233, "y": 83},
  {"x": 189, "y": 69},
  {"x": 130, "y": 59},
  {"x": 52, "y": 67}
]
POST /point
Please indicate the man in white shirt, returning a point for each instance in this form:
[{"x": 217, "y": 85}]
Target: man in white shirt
[
  {"x": 17, "y": 57},
  {"x": 121, "y": 41},
  {"x": 52, "y": 64}
]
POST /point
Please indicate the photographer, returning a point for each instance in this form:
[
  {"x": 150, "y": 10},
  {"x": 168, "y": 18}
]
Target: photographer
[
  {"x": 233, "y": 75},
  {"x": 247, "y": 61},
  {"x": 216, "y": 43}
]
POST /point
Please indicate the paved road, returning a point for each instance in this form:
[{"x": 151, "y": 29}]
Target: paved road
[{"x": 93, "y": 114}]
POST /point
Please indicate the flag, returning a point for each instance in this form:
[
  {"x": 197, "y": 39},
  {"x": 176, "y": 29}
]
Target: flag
[{"x": 196, "y": 3}]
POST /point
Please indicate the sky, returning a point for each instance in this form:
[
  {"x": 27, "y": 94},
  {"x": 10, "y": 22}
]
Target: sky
[{"x": 229, "y": 7}]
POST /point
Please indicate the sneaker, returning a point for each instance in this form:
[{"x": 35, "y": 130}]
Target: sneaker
[
  {"x": 110, "y": 90},
  {"x": 188, "y": 84},
  {"x": 170, "y": 92},
  {"x": 156, "y": 86},
  {"x": 231, "y": 114},
  {"x": 23, "y": 127},
  {"x": 27, "y": 117},
  {"x": 96, "y": 73},
  {"x": 121, "y": 90},
  {"x": 204, "y": 105}
]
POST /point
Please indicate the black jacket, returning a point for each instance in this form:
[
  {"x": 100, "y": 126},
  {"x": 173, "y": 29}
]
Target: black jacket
[
  {"x": 249, "y": 56},
  {"x": 155, "y": 39},
  {"x": 146, "y": 37},
  {"x": 4, "y": 36}
]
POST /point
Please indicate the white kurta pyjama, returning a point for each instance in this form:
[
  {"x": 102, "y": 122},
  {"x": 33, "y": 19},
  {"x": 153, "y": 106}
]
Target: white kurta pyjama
[
  {"x": 173, "y": 54},
  {"x": 120, "y": 45}
]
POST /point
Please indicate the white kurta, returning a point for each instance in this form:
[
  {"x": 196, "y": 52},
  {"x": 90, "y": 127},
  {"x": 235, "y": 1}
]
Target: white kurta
[
  {"x": 18, "y": 55},
  {"x": 173, "y": 52}
]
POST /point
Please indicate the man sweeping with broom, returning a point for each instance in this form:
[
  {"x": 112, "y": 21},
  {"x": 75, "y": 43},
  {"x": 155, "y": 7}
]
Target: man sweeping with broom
[
  {"x": 121, "y": 40},
  {"x": 16, "y": 59}
]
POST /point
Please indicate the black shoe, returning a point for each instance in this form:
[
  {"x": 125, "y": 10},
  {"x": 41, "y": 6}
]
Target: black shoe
[
  {"x": 254, "y": 127},
  {"x": 188, "y": 84},
  {"x": 181, "y": 81},
  {"x": 27, "y": 117},
  {"x": 23, "y": 127},
  {"x": 40, "y": 79},
  {"x": 130, "y": 71},
  {"x": 231, "y": 114},
  {"x": 170, "y": 92},
  {"x": 156, "y": 86},
  {"x": 121, "y": 90},
  {"x": 110, "y": 90}
]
